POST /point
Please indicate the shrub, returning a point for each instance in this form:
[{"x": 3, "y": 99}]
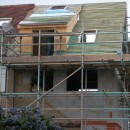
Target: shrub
[{"x": 26, "y": 119}]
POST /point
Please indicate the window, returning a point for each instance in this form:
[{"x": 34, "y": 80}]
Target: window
[
  {"x": 5, "y": 20},
  {"x": 74, "y": 82},
  {"x": 57, "y": 11},
  {"x": 45, "y": 50},
  {"x": 48, "y": 81},
  {"x": 89, "y": 36},
  {"x": 57, "y": 7},
  {"x": 90, "y": 80}
]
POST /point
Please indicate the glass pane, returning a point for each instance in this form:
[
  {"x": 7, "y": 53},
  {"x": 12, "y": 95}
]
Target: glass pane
[{"x": 91, "y": 37}]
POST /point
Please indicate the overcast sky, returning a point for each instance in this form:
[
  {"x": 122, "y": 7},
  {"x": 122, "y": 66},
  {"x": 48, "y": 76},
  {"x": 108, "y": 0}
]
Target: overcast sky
[{"x": 43, "y": 2}]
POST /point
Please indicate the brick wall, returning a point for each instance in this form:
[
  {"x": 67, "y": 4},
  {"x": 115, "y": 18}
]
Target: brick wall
[
  {"x": 109, "y": 126},
  {"x": 113, "y": 126}
]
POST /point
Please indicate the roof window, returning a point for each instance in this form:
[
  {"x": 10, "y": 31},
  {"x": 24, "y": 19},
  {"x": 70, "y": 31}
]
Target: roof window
[
  {"x": 58, "y": 11},
  {"x": 57, "y": 7},
  {"x": 54, "y": 11}
]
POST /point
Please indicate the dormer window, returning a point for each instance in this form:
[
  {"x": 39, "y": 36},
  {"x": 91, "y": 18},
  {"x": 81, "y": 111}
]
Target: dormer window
[
  {"x": 57, "y": 11},
  {"x": 89, "y": 36},
  {"x": 5, "y": 20},
  {"x": 57, "y": 7}
]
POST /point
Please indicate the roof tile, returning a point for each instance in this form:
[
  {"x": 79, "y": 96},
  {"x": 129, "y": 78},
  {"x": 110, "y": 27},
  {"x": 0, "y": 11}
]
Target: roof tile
[{"x": 17, "y": 12}]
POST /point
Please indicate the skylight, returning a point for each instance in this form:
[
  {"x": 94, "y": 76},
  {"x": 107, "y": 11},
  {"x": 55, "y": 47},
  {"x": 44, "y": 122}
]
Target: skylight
[
  {"x": 51, "y": 15},
  {"x": 57, "y": 7},
  {"x": 5, "y": 20},
  {"x": 54, "y": 11}
]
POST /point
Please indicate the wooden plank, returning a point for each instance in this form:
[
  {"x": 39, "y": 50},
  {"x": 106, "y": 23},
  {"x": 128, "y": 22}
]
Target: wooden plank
[
  {"x": 26, "y": 40},
  {"x": 110, "y": 58},
  {"x": 42, "y": 26}
]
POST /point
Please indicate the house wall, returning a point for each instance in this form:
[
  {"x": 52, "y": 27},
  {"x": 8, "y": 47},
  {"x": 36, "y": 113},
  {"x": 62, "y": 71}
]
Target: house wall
[
  {"x": 107, "y": 82},
  {"x": 22, "y": 84},
  {"x": 26, "y": 40},
  {"x": 91, "y": 127},
  {"x": 7, "y": 102},
  {"x": 57, "y": 39}
]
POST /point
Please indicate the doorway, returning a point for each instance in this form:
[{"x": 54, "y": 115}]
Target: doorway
[{"x": 47, "y": 49}]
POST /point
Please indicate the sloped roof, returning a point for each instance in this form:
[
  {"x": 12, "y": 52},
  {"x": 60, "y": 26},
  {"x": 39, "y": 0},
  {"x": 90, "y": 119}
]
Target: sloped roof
[
  {"x": 43, "y": 16},
  {"x": 17, "y": 12},
  {"x": 104, "y": 17}
]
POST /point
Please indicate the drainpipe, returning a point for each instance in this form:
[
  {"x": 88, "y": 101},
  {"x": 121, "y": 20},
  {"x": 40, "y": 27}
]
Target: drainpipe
[{"x": 43, "y": 91}]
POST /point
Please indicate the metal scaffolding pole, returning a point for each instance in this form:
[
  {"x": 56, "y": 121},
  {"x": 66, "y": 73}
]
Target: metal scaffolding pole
[
  {"x": 2, "y": 39},
  {"x": 81, "y": 94},
  {"x": 92, "y": 119},
  {"x": 39, "y": 52},
  {"x": 93, "y": 109},
  {"x": 38, "y": 85},
  {"x": 112, "y": 94},
  {"x": 43, "y": 88},
  {"x": 82, "y": 77},
  {"x": 1, "y": 60},
  {"x": 42, "y": 96}
]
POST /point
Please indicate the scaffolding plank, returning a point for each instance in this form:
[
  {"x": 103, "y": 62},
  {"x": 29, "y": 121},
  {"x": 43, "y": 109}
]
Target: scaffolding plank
[{"x": 109, "y": 58}]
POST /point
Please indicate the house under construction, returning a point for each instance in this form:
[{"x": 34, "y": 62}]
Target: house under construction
[{"x": 72, "y": 61}]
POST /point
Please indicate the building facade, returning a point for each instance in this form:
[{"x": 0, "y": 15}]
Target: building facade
[{"x": 72, "y": 61}]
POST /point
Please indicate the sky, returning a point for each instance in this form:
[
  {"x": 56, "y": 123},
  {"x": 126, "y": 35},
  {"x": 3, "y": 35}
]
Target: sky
[
  {"x": 43, "y": 2},
  {"x": 53, "y": 2}
]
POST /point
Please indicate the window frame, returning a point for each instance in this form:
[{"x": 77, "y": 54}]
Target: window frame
[
  {"x": 46, "y": 50},
  {"x": 46, "y": 79},
  {"x": 86, "y": 34},
  {"x": 56, "y": 7},
  {"x": 85, "y": 82}
]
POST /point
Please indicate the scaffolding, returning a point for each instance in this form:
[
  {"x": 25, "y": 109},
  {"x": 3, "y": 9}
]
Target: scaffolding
[{"x": 11, "y": 57}]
